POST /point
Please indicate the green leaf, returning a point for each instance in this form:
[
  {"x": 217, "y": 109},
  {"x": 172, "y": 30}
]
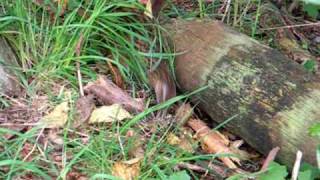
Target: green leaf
[
  {"x": 310, "y": 65},
  {"x": 181, "y": 175},
  {"x": 315, "y": 172},
  {"x": 275, "y": 171},
  {"x": 235, "y": 177},
  {"x": 311, "y": 9},
  {"x": 315, "y": 130},
  {"x": 315, "y": 2},
  {"x": 305, "y": 175}
]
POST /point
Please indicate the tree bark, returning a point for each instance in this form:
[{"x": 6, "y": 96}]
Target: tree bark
[{"x": 275, "y": 100}]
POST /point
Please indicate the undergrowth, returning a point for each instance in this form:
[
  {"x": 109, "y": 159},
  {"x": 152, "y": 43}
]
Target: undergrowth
[
  {"x": 45, "y": 38},
  {"x": 46, "y": 41}
]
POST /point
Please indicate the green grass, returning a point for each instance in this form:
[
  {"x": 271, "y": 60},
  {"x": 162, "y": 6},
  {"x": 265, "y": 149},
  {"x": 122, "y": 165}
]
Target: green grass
[
  {"x": 111, "y": 29},
  {"x": 46, "y": 49},
  {"x": 46, "y": 46},
  {"x": 97, "y": 156}
]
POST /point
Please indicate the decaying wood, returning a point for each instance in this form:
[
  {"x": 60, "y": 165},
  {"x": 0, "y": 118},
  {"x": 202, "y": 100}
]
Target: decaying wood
[
  {"x": 274, "y": 99},
  {"x": 108, "y": 93},
  {"x": 213, "y": 142}
]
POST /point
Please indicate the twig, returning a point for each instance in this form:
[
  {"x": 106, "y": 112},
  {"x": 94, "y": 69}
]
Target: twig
[
  {"x": 227, "y": 10},
  {"x": 34, "y": 146},
  {"x": 192, "y": 167},
  {"x": 271, "y": 156},
  {"x": 296, "y": 167},
  {"x": 78, "y": 51},
  {"x": 119, "y": 138},
  {"x": 292, "y": 26},
  {"x": 79, "y": 133},
  {"x": 24, "y": 124}
]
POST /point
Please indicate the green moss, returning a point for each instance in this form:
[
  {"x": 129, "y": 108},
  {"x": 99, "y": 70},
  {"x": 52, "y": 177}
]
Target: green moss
[
  {"x": 230, "y": 76},
  {"x": 295, "y": 121}
]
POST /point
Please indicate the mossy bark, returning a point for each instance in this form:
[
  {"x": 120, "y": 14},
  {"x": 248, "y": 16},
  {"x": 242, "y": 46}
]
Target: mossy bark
[{"x": 274, "y": 99}]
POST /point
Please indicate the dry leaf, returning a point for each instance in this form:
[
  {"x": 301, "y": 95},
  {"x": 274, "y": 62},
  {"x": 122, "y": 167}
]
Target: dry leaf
[
  {"x": 111, "y": 113},
  {"x": 186, "y": 145},
  {"x": 162, "y": 83},
  {"x": 148, "y": 12},
  {"x": 172, "y": 139},
  {"x": 182, "y": 143},
  {"x": 57, "y": 118},
  {"x": 109, "y": 93},
  {"x": 116, "y": 75},
  {"x": 126, "y": 171},
  {"x": 138, "y": 141},
  {"x": 84, "y": 105},
  {"x": 55, "y": 138},
  {"x": 153, "y": 7}
]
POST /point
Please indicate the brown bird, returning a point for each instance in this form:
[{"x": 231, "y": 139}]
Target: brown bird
[{"x": 162, "y": 82}]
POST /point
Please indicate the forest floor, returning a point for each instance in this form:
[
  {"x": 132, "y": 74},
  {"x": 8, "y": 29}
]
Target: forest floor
[{"x": 91, "y": 104}]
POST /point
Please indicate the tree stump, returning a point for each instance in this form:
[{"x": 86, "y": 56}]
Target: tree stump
[{"x": 276, "y": 101}]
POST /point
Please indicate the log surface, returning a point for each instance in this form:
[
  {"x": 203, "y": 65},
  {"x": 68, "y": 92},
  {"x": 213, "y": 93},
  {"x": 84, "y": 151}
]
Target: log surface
[{"x": 274, "y": 99}]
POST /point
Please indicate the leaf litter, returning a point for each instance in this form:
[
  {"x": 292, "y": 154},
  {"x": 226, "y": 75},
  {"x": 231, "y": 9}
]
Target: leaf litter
[{"x": 109, "y": 114}]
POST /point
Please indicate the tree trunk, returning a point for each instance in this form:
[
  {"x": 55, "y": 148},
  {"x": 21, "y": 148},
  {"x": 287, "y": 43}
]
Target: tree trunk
[{"x": 275, "y": 100}]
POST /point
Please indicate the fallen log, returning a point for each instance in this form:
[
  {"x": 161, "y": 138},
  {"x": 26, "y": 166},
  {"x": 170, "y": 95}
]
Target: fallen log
[{"x": 274, "y": 99}]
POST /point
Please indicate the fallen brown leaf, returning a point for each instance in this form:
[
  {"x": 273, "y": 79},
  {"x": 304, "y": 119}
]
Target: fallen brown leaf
[
  {"x": 109, "y": 93},
  {"x": 116, "y": 75},
  {"x": 84, "y": 105},
  {"x": 111, "y": 113},
  {"x": 55, "y": 138},
  {"x": 162, "y": 82},
  {"x": 137, "y": 150}
]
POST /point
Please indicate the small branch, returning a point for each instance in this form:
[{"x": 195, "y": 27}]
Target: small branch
[
  {"x": 78, "y": 51},
  {"x": 271, "y": 156},
  {"x": 34, "y": 146},
  {"x": 296, "y": 167},
  {"x": 292, "y": 26},
  {"x": 227, "y": 10}
]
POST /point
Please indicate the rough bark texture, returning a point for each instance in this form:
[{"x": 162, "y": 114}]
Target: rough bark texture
[
  {"x": 275, "y": 99},
  {"x": 8, "y": 81}
]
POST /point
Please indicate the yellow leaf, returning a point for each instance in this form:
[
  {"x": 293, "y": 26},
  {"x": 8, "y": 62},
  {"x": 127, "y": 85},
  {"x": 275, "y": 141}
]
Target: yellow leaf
[
  {"x": 173, "y": 139},
  {"x": 148, "y": 12},
  {"x": 58, "y": 117},
  {"x": 126, "y": 171},
  {"x": 111, "y": 113}
]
